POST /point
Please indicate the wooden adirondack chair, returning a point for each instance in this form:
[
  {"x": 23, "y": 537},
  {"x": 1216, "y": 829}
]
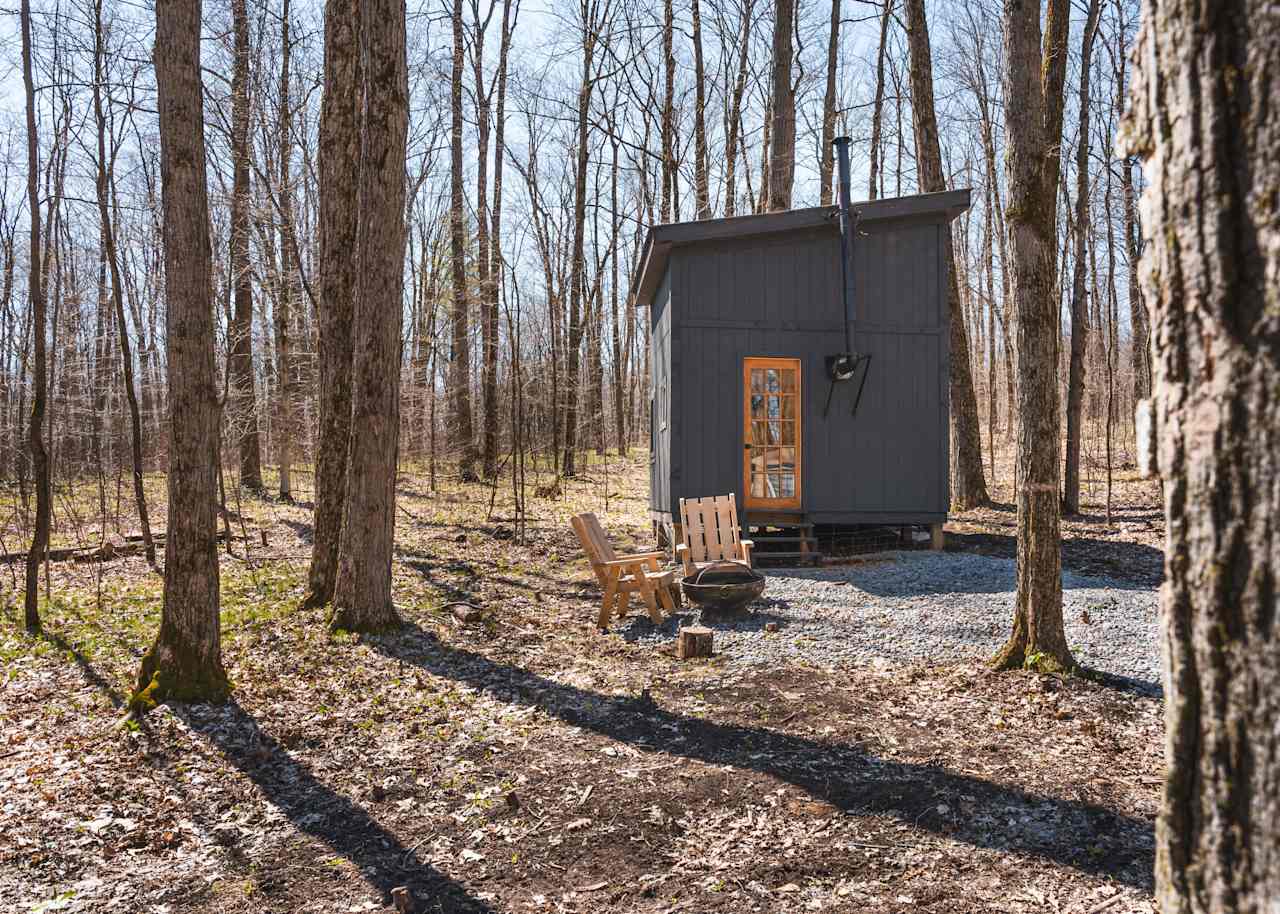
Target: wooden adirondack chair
[
  {"x": 709, "y": 528},
  {"x": 621, "y": 576}
]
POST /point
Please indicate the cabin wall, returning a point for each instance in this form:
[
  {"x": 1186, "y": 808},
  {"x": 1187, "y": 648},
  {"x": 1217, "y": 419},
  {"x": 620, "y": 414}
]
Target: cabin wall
[
  {"x": 660, "y": 417},
  {"x": 780, "y": 297}
]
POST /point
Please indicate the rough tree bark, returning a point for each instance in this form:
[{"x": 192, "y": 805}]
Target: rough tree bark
[
  {"x": 461, "y": 432},
  {"x": 185, "y": 663},
  {"x": 287, "y": 298},
  {"x": 339, "y": 165},
  {"x": 735, "y": 114},
  {"x": 782, "y": 147},
  {"x": 827, "y": 161},
  {"x": 1032, "y": 161},
  {"x": 244, "y": 411},
  {"x": 36, "y": 296},
  {"x": 668, "y": 110},
  {"x": 102, "y": 187},
  {"x": 877, "y": 108},
  {"x": 483, "y": 263},
  {"x": 1139, "y": 320},
  {"x": 968, "y": 484},
  {"x": 1203, "y": 119},
  {"x": 1079, "y": 276},
  {"x": 362, "y": 594},
  {"x": 701, "y": 189},
  {"x": 577, "y": 265}
]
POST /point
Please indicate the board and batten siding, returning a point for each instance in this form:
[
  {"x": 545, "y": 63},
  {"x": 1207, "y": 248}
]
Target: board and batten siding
[
  {"x": 660, "y": 413},
  {"x": 779, "y": 296}
]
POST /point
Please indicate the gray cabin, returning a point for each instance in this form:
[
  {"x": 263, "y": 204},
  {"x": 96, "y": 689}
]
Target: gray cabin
[{"x": 746, "y": 314}]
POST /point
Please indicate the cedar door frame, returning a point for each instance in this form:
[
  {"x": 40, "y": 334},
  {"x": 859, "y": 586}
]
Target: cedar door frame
[{"x": 750, "y": 447}]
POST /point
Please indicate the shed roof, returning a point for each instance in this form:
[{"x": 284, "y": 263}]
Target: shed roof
[{"x": 662, "y": 238}]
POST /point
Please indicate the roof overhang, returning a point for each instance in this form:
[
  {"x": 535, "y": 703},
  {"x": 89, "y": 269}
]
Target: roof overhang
[{"x": 661, "y": 239}]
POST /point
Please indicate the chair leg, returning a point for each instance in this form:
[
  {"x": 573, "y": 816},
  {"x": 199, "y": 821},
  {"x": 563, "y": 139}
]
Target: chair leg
[
  {"x": 650, "y": 602},
  {"x": 624, "y": 604},
  {"x": 606, "y": 605},
  {"x": 674, "y": 590},
  {"x": 664, "y": 594}
]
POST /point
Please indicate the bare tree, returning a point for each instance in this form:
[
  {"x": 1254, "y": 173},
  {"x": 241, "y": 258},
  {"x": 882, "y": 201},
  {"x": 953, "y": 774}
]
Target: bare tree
[
  {"x": 733, "y": 137},
  {"x": 829, "y": 102},
  {"x": 1034, "y": 133},
  {"x": 286, "y": 300},
  {"x": 185, "y": 663},
  {"x": 702, "y": 191},
  {"x": 362, "y": 594},
  {"x": 1079, "y": 276},
  {"x": 1202, "y": 118},
  {"x": 877, "y": 105},
  {"x": 244, "y": 411},
  {"x": 782, "y": 147},
  {"x": 968, "y": 485},
  {"x": 339, "y": 166},
  {"x": 461, "y": 433},
  {"x": 36, "y": 296},
  {"x": 103, "y": 186}
]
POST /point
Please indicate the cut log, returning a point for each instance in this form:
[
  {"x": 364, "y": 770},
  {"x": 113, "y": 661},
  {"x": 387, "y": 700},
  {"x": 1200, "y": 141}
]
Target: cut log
[{"x": 693, "y": 641}]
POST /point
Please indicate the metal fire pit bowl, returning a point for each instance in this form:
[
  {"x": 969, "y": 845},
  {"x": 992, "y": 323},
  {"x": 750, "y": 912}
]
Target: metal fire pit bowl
[{"x": 723, "y": 587}]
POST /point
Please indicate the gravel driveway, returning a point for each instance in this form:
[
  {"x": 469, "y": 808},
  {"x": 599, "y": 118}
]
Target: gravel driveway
[{"x": 924, "y": 607}]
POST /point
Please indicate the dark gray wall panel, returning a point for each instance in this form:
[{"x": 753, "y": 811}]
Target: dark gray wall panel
[{"x": 779, "y": 296}]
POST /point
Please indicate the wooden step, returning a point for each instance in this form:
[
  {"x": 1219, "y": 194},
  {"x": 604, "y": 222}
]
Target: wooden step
[{"x": 767, "y": 538}]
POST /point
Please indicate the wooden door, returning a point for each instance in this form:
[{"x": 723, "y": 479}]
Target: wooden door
[{"x": 771, "y": 433}]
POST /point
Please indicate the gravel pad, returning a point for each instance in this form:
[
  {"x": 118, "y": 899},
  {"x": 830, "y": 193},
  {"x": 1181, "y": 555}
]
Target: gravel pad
[{"x": 921, "y": 607}]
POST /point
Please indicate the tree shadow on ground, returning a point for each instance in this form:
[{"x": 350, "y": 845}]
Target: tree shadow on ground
[
  {"x": 1131, "y": 563},
  {"x": 85, "y": 666},
  {"x": 316, "y": 809},
  {"x": 1081, "y": 835}
]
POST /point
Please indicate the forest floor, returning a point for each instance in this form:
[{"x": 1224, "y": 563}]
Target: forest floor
[{"x": 527, "y": 763}]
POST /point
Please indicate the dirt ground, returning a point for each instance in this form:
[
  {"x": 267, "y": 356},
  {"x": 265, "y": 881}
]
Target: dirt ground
[{"x": 527, "y": 763}]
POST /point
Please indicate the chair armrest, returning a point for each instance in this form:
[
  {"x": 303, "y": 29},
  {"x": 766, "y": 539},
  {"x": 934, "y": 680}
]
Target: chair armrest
[
  {"x": 747, "y": 546},
  {"x": 685, "y": 558},
  {"x": 638, "y": 558}
]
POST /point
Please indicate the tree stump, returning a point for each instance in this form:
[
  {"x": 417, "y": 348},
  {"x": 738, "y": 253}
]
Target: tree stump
[{"x": 694, "y": 641}]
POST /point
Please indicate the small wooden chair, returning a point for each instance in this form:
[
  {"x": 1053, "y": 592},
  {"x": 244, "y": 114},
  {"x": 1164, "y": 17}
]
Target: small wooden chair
[
  {"x": 621, "y": 576},
  {"x": 709, "y": 528}
]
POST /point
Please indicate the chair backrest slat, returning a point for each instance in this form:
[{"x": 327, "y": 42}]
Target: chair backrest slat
[
  {"x": 594, "y": 543},
  {"x": 710, "y": 528}
]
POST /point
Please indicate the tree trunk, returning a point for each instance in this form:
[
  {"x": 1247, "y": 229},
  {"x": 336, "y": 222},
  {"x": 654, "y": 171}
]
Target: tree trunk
[
  {"x": 577, "y": 266},
  {"x": 968, "y": 485},
  {"x": 735, "y": 114},
  {"x": 877, "y": 108},
  {"x": 287, "y": 297},
  {"x": 497, "y": 267},
  {"x": 40, "y": 380},
  {"x": 1079, "y": 304},
  {"x": 782, "y": 151},
  {"x": 362, "y": 594},
  {"x": 1139, "y": 320},
  {"x": 701, "y": 190},
  {"x": 461, "y": 433},
  {"x": 244, "y": 412},
  {"x": 103, "y": 189},
  {"x": 339, "y": 164},
  {"x": 1202, "y": 118},
  {"x": 827, "y": 152},
  {"x": 483, "y": 263},
  {"x": 668, "y": 110},
  {"x": 1034, "y": 132},
  {"x": 185, "y": 663}
]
